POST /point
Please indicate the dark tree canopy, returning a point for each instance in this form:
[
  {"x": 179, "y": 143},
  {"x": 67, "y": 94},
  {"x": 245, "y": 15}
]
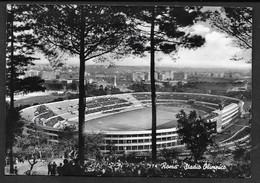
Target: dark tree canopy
[
  {"x": 169, "y": 34},
  {"x": 14, "y": 125},
  {"x": 31, "y": 84},
  {"x": 194, "y": 133},
  {"x": 59, "y": 28}
]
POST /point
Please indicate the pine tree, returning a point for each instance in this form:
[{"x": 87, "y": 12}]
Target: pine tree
[
  {"x": 86, "y": 31},
  {"x": 166, "y": 34},
  {"x": 19, "y": 51},
  {"x": 21, "y": 44}
]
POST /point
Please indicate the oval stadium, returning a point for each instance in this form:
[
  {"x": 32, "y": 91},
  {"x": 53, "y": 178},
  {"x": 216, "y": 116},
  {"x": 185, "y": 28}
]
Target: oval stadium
[{"x": 125, "y": 119}]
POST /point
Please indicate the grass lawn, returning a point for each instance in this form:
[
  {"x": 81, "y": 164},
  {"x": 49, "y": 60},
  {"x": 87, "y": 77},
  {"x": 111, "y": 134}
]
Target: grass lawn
[
  {"x": 36, "y": 99},
  {"x": 140, "y": 119}
]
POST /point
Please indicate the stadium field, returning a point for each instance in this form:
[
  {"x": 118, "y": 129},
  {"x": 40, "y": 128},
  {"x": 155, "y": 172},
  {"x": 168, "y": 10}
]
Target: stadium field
[{"x": 135, "y": 120}]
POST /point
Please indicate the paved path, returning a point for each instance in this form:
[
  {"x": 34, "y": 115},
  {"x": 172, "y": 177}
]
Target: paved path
[{"x": 231, "y": 129}]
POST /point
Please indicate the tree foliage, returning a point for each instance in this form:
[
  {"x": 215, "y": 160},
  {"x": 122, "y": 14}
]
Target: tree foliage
[
  {"x": 140, "y": 87},
  {"x": 236, "y": 22},
  {"x": 218, "y": 154},
  {"x": 68, "y": 143},
  {"x": 31, "y": 84},
  {"x": 169, "y": 154},
  {"x": 14, "y": 125},
  {"x": 59, "y": 28},
  {"x": 33, "y": 146},
  {"x": 21, "y": 43},
  {"x": 194, "y": 133},
  {"x": 93, "y": 142},
  {"x": 170, "y": 33},
  {"x": 241, "y": 153}
]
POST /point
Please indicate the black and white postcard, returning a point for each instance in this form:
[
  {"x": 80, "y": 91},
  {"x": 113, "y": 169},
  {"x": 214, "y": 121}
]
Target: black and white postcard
[{"x": 128, "y": 91}]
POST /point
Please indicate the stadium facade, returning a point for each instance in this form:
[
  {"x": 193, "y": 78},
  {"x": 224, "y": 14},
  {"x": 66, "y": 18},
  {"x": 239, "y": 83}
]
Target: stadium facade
[{"x": 52, "y": 117}]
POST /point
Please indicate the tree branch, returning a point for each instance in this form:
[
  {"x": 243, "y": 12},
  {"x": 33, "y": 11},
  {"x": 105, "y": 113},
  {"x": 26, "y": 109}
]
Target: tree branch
[
  {"x": 225, "y": 29},
  {"x": 93, "y": 47},
  {"x": 73, "y": 45},
  {"x": 62, "y": 46},
  {"x": 97, "y": 55}
]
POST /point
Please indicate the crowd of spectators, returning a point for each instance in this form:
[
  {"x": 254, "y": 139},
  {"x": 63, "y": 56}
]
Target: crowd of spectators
[
  {"x": 183, "y": 104},
  {"x": 105, "y": 101},
  {"x": 47, "y": 117},
  {"x": 106, "y": 105},
  {"x": 186, "y": 97},
  {"x": 44, "y": 114},
  {"x": 118, "y": 167}
]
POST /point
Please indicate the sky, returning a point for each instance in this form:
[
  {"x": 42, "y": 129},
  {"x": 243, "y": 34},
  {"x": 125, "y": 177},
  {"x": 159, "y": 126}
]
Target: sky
[{"x": 216, "y": 52}]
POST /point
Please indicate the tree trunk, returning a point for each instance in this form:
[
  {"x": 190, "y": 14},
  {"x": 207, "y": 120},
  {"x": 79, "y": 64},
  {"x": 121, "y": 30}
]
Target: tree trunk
[
  {"x": 82, "y": 97},
  {"x": 12, "y": 88},
  {"x": 153, "y": 94},
  {"x": 40, "y": 153},
  {"x": 32, "y": 164}
]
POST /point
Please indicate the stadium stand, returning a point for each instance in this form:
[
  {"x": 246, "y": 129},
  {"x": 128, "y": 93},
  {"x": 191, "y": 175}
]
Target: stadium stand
[{"x": 55, "y": 116}]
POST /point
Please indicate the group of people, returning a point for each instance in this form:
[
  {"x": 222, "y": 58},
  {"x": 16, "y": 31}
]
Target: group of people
[
  {"x": 100, "y": 168},
  {"x": 144, "y": 169},
  {"x": 52, "y": 168},
  {"x": 67, "y": 168}
]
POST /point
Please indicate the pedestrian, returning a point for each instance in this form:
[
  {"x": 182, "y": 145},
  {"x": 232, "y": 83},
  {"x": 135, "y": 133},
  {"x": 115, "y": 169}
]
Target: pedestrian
[
  {"x": 49, "y": 168},
  {"x": 15, "y": 170},
  {"x": 66, "y": 168},
  {"x": 59, "y": 170},
  {"x": 77, "y": 169},
  {"x": 53, "y": 169}
]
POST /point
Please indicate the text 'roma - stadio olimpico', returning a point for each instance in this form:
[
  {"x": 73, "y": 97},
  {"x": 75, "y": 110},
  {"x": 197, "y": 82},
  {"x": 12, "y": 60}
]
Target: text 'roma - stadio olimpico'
[{"x": 125, "y": 119}]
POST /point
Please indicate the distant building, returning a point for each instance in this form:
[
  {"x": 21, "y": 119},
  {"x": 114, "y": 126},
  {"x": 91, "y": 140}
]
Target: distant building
[
  {"x": 166, "y": 75},
  {"x": 48, "y": 75},
  {"x": 156, "y": 75},
  {"x": 228, "y": 75},
  {"x": 31, "y": 73},
  {"x": 115, "y": 84},
  {"x": 180, "y": 76},
  {"x": 216, "y": 75},
  {"x": 69, "y": 75}
]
